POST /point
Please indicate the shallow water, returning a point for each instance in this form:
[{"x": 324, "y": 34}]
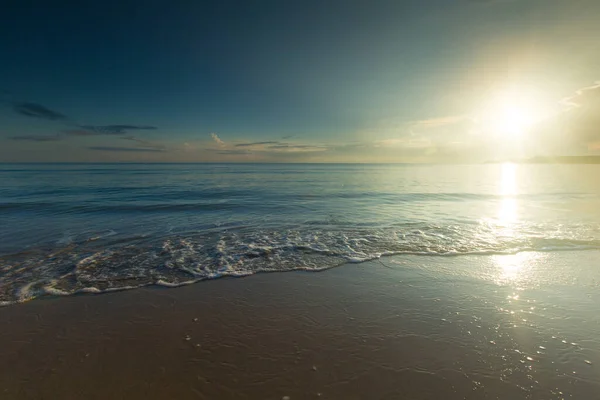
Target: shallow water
[{"x": 70, "y": 228}]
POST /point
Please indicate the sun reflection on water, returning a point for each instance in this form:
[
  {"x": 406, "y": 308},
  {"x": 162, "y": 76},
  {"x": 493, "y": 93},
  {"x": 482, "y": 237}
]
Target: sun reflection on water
[
  {"x": 508, "y": 181},
  {"x": 511, "y": 266},
  {"x": 507, "y": 212},
  {"x": 520, "y": 270}
]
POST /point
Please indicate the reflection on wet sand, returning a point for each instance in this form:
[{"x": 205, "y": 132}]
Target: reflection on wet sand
[
  {"x": 515, "y": 268},
  {"x": 471, "y": 327}
]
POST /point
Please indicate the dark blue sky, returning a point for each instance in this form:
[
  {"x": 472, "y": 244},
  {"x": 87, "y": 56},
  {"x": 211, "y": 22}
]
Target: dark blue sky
[{"x": 314, "y": 78}]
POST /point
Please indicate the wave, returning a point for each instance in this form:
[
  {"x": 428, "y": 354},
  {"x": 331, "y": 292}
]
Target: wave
[{"x": 110, "y": 263}]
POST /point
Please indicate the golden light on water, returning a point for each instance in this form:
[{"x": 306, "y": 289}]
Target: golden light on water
[
  {"x": 511, "y": 266},
  {"x": 507, "y": 212},
  {"x": 508, "y": 179},
  {"x": 520, "y": 269}
]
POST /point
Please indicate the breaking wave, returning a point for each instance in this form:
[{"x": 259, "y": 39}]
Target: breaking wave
[{"x": 107, "y": 263}]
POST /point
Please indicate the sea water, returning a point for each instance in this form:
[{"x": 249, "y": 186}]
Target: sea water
[{"x": 69, "y": 228}]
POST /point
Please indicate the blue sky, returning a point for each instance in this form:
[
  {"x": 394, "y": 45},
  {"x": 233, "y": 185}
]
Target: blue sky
[{"x": 319, "y": 81}]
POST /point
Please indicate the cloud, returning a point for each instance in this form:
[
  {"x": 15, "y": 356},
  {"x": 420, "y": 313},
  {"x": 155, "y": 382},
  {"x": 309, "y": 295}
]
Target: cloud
[
  {"x": 389, "y": 142},
  {"x": 250, "y": 144},
  {"x": 109, "y": 129},
  {"x": 38, "y": 111},
  {"x": 418, "y": 148},
  {"x": 92, "y": 130},
  {"x": 217, "y": 139},
  {"x": 35, "y": 110},
  {"x": 234, "y": 152},
  {"x": 265, "y": 147},
  {"x": 267, "y": 150},
  {"x": 573, "y": 131},
  {"x": 78, "y": 132},
  {"x": 126, "y": 149},
  {"x": 583, "y": 97},
  {"x": 36, "y": 138},
  {"x": 409, "y": 143},
  {"x": 297, "y": 148},
  {"x": 581, "y": 119},
  {"x": 145, "y": 143},
  {"x": 439, "y": 122}
]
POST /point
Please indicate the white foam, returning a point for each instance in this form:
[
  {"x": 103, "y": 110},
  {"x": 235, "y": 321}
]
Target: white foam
[
  {"x": 164, "y": 283},
  {"x": 27, "y": 292},
  {"x": 119, "y": 289},
  {"x": 89, "y": 290},
  {"x": 182, "y": 260},
  {"x": 54, "y": 291}
]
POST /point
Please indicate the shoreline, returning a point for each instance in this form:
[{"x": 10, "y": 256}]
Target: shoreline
[{"x": 417, "y": 329}]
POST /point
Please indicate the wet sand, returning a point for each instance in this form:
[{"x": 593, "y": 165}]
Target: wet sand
[{"x": 414, "y": 328}]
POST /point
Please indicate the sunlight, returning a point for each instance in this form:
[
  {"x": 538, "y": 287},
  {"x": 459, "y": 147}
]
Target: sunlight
[
  {"x": 514, "y": 120},
  {"x": 508, "y": 179},
  {"x": 510, "y": 266},
  {"x": 512, "y": 113},
  {"x": 515, "y": 268},
  {"x": 507, "y": 213}
]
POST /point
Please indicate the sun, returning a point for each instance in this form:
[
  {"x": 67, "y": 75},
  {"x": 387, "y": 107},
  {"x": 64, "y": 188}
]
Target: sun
[
  {"x": 514, "y": 119},
  {"x": 511, "y": 113}
]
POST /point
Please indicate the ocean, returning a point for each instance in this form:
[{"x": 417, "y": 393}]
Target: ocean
[{"x": 76, "y": 228}]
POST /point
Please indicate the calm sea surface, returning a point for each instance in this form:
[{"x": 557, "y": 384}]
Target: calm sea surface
[{"x": 67, "y": 228}]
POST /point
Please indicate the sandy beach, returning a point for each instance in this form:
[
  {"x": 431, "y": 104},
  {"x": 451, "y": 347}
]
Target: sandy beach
[{"x": 410, "y": 328}]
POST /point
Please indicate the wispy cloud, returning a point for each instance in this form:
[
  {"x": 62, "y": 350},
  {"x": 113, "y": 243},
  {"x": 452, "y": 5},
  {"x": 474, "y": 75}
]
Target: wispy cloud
[
  {"x": 234, "y": 152},
  {"x": 297, "y": 148},
  {"x": 581, "y": 118},
  {"x": 217, "y": 139},
  {"x": 38, "y": 111},
  {"x": 583, "y": 96},
  {"x": 410, "y": 143},
  {"x": 439, "y": 122},
  {"x": 36, "y": 138},
  {"x": 35, "y": 110},
  {"x": 264, "y": 147},
  {"x": 250, "y": 144},
  {"x": 77, "y": 132},
  {"x": 125, "y": 149},
  {"x": 113, "y": 129},
  {"x": 389, "y": 142}
]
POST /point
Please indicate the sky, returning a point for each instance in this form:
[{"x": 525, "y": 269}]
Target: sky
[{"x": 298, "y": 81}]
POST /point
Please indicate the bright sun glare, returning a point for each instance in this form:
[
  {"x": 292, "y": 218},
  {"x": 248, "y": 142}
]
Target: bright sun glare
[{"x": 512, "y": 113}]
